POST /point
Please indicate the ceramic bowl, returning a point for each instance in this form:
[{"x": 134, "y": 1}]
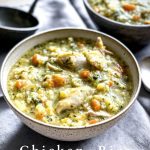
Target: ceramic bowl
[
  {"x": 130, "y": 34},
  {"x": 69, "y": 133}
]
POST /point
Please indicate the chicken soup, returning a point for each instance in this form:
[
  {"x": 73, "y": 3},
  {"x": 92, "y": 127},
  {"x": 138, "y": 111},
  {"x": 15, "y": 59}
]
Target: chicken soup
[
  {"x": 126, "y": 11},
  {"x": 70, "y": 82}
]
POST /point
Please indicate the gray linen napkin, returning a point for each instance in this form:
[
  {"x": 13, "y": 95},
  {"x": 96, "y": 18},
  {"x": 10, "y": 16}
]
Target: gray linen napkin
[{"x": 130, "y": 133}]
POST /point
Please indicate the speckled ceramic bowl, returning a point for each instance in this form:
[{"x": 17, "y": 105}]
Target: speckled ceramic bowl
[
  {"x": 130, "y": 34},
  {"x": 69, "y": 133}
]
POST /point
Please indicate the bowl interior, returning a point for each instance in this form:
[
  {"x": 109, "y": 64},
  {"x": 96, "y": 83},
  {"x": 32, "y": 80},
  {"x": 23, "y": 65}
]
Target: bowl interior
[{"x": 110, "y": 42}]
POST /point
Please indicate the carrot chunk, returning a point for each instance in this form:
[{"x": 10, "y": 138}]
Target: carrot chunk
[
  {"x": 93, "y": 121},
  {"x": 85, "y": 74},
  {"x": 58, "y": 80},
  {"x": 39, "y": 116},
  {"x": 110, "y": 83},
  {"x": 136, "y": 18},
  {"x": 19, "y": 84},
  {"x": 38, "y": 59},
  {"x": 35, "y": 60},
  {"x": 95, "y": 104},
  {"x": 129, "y": 7}
]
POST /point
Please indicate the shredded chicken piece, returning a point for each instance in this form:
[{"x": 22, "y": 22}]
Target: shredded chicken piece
[
  {"x": 74, "y": 100},
  {"x": 96, "y": 59},
  {"x": 100, "y": 113},
  {"x": 73, "y": 61},
  {"x": 54, "y": 68},
  {"x": 107, "y": 52}
]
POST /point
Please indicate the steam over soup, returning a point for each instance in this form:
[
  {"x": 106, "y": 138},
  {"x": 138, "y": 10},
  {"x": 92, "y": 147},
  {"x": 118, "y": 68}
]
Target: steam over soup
[
  {"x": 125, "y": 11},
  {"x": 70, "y": 82}
]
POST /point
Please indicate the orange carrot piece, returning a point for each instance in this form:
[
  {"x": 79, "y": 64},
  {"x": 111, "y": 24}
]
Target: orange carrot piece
[
  {"x": 95, "y": 104},
  {"x": 35, "y": 59},
  {"x": 93, "y": 121},
  {"x": 110, "y": 83},
  {"x": 39, "y": 116},
  {"x": 129, "y": 7},
  {"x": 58, "y": 80},
  {"x": 85, "y": 74},
  {"x": 136, "y": 18},
  {"x": 19, "y": 84}
]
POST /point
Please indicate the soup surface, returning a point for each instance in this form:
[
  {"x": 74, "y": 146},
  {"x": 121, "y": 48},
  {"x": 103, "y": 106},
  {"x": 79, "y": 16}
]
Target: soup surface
[
  {"x": 125, "y": 11},
  {"x": 70, "y": 82}
]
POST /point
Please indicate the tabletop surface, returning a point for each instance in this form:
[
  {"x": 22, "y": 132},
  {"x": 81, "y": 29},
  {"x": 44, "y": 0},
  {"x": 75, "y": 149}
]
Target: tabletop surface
[{"x": 131, "y": 133}]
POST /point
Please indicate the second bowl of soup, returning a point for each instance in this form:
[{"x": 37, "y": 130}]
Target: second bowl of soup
[{"x": 127, "y": 20}]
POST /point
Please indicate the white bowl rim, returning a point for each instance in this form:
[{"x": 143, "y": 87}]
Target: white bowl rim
[
  {"x": 113, "y": 21},
  {"x": 10, "y": 103}
]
